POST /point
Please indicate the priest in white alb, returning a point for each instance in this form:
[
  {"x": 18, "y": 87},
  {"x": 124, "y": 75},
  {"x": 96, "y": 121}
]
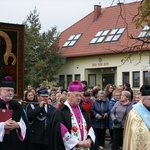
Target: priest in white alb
[{"x": 137, "y": 126}]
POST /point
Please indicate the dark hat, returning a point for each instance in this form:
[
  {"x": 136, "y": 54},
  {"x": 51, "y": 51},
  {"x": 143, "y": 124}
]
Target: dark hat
[
  {"x": 7, "y": 82},
  {"x": 75, "y": 86},
  {"x": 43, "y": 92},
  {"x": 145, "y": 92}
]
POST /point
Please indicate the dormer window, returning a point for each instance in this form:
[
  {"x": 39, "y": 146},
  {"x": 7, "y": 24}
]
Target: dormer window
[
  {"x": 72, "y": 40},
  {"x": 99, "y": 37},
  {"x": 115, "y": 34},
  {"x": 144, "y": 33}
]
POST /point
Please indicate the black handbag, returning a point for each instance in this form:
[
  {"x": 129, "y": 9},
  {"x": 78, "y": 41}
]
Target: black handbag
[{"x": 117, "y": 126}]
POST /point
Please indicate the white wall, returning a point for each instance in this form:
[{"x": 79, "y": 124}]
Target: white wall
[{"x": 78, "y": 65}]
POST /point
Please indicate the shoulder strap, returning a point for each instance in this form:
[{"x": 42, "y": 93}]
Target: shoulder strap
[{"x": 124, "y": 113}]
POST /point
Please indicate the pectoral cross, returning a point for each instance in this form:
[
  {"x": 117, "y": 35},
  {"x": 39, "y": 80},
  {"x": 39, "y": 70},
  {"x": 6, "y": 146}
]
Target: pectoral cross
[{"x": 80, "y": 125}]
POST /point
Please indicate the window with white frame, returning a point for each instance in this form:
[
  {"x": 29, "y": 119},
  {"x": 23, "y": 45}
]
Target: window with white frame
[
  {"x": 92, "y": 79},
  {"x": 146, "y": 78},
  {"x": 125, "y": 77},
  {"x": 136, "y": 79},
  {"x": 77, "y": 77},
  {"x": 72, "y": 40},
  {"x": 114, "y": 35},
  {"x": 145, "y": 32},
  {"x": 99, "y": 37},
  {"x": 69, "y": 79},
  {"x": 62, "y": 80}
]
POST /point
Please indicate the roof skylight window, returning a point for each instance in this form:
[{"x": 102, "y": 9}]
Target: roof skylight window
[
  {"x": 144, "y": 33},
  {"x": 99, "y": 37},
  {"x": 72, "y": 40},
  {"x": 114, "y": 35}
]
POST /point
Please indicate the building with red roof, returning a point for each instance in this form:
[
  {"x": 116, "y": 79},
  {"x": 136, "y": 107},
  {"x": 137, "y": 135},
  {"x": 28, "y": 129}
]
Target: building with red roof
[{"x": 102, "y": 48}]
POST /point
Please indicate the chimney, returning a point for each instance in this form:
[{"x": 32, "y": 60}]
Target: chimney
[
  {"x": 120, "y": 3},
  {"x": 97, "y": 11}
]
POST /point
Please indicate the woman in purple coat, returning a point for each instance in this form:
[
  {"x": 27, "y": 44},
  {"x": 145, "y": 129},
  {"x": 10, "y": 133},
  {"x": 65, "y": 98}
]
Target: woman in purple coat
[{"x": 118, "y": 116}]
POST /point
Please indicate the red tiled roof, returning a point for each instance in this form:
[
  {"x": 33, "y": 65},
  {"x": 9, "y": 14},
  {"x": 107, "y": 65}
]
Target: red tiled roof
[{"x": 110, "y": 18}]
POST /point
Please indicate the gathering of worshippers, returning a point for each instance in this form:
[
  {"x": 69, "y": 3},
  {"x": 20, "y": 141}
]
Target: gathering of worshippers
[{"x": 76, "y": 118}]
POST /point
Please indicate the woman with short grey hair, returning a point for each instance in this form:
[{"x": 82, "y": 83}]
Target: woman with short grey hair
[
  {"x": 99, "y": 117},
  {"x": 118, "y": 116}
]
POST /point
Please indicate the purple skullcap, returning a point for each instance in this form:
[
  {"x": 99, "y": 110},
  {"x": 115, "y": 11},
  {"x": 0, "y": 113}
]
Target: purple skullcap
[
  {"x": 75, "y": 86},
  {"x": 7, "y": 82}
]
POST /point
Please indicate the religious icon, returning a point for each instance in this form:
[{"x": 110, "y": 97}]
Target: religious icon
[
  {"x": 11, "y": 54},
  {"x": 7, "y": 57}
]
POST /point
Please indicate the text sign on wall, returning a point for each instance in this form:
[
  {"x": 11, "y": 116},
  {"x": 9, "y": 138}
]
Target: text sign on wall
[{"x": 100, "y": 64}]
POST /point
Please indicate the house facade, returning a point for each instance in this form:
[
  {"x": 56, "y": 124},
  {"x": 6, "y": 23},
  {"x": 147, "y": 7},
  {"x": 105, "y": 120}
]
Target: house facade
[{"x": 102, "y": 48}]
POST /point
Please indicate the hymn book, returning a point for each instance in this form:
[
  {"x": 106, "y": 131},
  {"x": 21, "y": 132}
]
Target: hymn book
[{"x": 5, "y": 114}]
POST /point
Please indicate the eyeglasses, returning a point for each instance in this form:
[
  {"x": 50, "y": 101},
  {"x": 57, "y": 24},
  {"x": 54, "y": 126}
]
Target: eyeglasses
[
  {"x": 8, "y": 90},
  {"x": 76, "y": 94},
  {"x": 123, "y": 96},
  {"x": 120, "y": 89}
]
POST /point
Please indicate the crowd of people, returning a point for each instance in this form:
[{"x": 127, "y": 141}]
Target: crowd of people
[{"x": 76, "y": 118}]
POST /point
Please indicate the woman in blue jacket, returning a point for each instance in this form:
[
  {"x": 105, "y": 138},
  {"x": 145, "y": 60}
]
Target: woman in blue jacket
[{"x": 99, "y": 117}]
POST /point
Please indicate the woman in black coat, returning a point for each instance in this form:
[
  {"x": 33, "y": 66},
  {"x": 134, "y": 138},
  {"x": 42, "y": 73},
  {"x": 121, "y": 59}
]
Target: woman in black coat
[{"x": 99, "y": 117}]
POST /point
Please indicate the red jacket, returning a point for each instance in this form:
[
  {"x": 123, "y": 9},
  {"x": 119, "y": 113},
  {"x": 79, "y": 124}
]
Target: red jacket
[{"x": 87, "y": 106}]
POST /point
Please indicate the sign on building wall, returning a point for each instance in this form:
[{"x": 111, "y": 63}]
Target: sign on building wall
[{"x": 12, "y": 55}]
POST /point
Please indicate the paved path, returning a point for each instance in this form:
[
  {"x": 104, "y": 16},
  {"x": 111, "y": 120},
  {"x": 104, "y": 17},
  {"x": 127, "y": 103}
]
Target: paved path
[{"x": 107, "y": 145}]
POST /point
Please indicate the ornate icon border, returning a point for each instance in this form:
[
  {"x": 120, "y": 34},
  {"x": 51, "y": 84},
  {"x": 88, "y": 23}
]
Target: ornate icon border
[{"x": 12, "y": 57}]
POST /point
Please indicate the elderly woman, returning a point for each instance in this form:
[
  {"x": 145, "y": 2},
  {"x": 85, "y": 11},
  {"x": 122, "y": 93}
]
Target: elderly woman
[
  {"x": 99, "y": 117},
  {"x": 118, "y": 115}
]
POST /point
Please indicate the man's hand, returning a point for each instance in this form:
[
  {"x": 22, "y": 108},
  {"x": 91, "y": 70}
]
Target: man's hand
[
  {"x": 11, "y": 124},
  {"x": 81, "y": 144},
  {"x": 85, "y": 144},
  {"x": 42, "y": 103},
  {"x": 7, "y": 124}
]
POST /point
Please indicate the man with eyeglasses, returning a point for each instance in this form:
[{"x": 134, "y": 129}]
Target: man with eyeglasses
[
  {"x": 14, "y": 131},
  {"x": 120, "y": 88},
  {"x": 70, "y": 125}
]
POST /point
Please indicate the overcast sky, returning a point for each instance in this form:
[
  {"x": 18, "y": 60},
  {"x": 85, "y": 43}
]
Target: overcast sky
[{"x": 59, "y": 13}]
